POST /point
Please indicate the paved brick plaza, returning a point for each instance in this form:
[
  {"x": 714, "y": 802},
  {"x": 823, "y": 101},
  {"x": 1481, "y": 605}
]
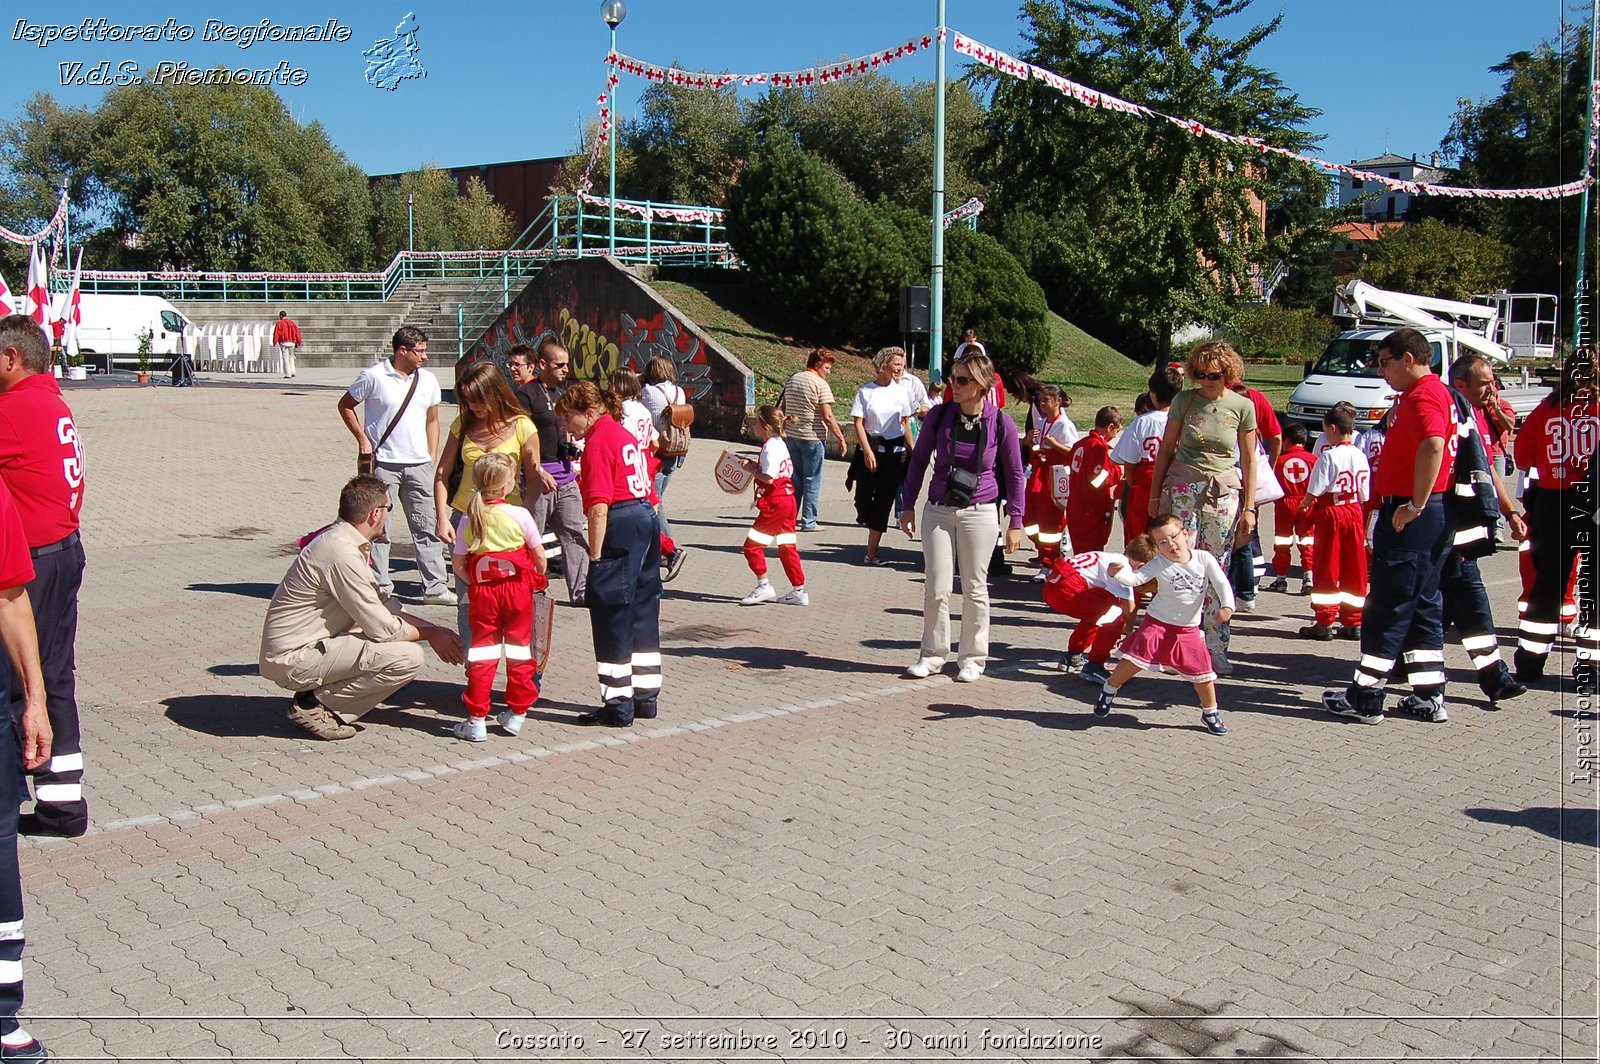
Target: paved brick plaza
[{"x": 803, "y": 845}]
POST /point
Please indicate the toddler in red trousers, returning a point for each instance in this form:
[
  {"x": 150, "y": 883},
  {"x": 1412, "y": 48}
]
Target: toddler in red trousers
[
  {"x": 1082, "y": 586},
  {"x": 499, "y": 559},
  {"x": 775, "y": 515}
]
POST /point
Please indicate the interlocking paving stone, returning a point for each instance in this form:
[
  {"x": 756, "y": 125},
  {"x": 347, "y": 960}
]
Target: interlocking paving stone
[{"x": 802, "y": 832}]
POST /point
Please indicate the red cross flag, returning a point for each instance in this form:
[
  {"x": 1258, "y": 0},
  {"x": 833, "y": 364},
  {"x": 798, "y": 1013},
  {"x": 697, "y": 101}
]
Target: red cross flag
[{"x": 7, "y": 307}]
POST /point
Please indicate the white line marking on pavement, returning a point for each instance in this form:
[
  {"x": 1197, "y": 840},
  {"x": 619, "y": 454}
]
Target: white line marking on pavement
[{"x": 419, "y": 775}]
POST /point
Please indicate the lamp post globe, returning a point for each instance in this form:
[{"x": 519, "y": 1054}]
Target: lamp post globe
[{"x": 613, "y": 12}]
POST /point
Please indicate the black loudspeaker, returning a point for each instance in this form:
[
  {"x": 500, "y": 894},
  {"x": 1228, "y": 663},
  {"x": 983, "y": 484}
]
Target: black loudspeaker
[{"x": 914, "y": 310}]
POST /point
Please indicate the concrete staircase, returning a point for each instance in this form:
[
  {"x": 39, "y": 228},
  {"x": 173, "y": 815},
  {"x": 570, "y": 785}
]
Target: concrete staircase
[{"x": 354, "y": 334}]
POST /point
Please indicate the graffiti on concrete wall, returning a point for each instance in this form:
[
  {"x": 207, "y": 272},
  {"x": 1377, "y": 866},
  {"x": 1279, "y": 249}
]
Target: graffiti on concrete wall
[{"x": 604, "y": 320}]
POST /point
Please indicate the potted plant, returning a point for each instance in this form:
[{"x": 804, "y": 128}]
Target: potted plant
[
  {"x": 145, "y": 337},
  {"x": 76, "y": 370}
]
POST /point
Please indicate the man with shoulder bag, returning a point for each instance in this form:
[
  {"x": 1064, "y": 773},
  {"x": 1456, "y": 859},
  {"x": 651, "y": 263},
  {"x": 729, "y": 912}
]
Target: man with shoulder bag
[{"x": 397, "y": 441}]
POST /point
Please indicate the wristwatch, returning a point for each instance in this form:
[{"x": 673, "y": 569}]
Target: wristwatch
[{"x": 1409, "y": 505}]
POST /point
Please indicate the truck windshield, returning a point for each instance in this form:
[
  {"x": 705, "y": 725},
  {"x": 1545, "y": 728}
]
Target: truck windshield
[{"x": 1350, "y": 357}]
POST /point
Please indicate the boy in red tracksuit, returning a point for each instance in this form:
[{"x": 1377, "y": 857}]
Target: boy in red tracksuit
[
  {"x": 1136, "y": 449},
  {"x": 1337, "y": 495},
  {"x": 500, "y": 560},
  {"x": 1095, "y": 479},
  {"x": 1081, "y": 586},
  {"x": 1291, "y": 525}
]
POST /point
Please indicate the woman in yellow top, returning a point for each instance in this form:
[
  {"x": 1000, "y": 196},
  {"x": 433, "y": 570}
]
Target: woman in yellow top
[{"x": 491, "y": 422}]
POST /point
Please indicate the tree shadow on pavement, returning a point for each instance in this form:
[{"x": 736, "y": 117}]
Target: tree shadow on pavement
[
  {"x": 244, "y": 588},
  {"x": 1577, "y": 825}
]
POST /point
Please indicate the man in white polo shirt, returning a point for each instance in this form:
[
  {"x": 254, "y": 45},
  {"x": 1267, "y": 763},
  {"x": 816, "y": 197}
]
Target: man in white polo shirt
[{"x": 399, "y": 426}]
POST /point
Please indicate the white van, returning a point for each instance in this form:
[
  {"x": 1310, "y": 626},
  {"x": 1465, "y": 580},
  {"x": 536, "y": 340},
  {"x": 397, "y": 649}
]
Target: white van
[{"x": 109, "y": 333}]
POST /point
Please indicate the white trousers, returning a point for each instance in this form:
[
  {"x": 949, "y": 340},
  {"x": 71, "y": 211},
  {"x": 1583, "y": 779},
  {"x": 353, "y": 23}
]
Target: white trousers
[{"x": 957, "y": 540}]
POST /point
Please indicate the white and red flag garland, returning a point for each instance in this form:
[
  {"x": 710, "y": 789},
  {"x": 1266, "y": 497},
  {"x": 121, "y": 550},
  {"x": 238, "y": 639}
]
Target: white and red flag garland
[
  {"x": 56, "y": 221},
  {"x": 1083, "y": 94}
]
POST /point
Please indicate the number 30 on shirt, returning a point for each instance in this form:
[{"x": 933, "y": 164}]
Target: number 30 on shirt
[{"x": 638, "y": 471}]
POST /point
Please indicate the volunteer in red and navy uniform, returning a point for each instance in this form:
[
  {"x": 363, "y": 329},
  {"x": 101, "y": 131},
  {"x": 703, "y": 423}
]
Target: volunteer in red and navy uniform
[
  {"x": 19, "y": 668},
  {"x": 1403, "y": 622},
  {"x": 41, "y": 460},
  {"x": 1559, "y": 440},
  {"x": 624, "y": 590}
]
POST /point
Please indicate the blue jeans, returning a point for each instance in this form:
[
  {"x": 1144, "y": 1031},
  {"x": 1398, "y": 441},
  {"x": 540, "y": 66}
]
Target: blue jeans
[
  {"x": 807, "y": 456},
  {"x": 669, "y": 466}
]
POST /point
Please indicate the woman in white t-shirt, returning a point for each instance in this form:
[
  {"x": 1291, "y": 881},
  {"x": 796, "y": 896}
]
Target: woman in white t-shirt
[{"x": 882, "y": 415}]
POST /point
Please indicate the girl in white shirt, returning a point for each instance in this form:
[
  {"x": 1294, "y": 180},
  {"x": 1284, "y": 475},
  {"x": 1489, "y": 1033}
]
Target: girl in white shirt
[{"x": 1169, "y": 635}]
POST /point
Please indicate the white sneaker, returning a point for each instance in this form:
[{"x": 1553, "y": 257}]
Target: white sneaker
[
  {"x": 797, "y": 597},
  {"x": 971, "y": 672},
  {"x": 510, "y": 723},
  {"x": 763, "y": 593},
  {"x": 924, "y": 668},
  {"x": 473, "y": 730},
  {"x": 440, "y": 598}
]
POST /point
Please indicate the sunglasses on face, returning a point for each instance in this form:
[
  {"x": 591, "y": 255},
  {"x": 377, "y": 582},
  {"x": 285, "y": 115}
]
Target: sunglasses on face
[
  {"x": 959, "y": 379},
  {"x": 1208, "y": 376}
]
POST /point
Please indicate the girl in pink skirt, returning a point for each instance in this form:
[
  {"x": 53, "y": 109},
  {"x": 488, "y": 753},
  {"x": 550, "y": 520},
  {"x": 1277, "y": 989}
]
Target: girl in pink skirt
[{"x": 1169, "y": 636}]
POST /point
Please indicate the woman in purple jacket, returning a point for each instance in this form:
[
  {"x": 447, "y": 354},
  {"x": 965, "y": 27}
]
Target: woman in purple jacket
[{"x": 971, "y": 446}]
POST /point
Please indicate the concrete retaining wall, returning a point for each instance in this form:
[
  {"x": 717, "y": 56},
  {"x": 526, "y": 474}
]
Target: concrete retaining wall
[{"x": 606, "y": 317}]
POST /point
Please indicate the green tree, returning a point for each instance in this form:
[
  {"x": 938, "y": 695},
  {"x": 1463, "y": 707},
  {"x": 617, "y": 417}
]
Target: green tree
[
  {"x": 1530, "y": 135},
  {"x": 222, "y": 177},
  {"x": 1432, "y": 258},
  {"x": 987, "y": 289},
  {"x": 46, "y": 144},
  {"x": 878, "y": 134},
  {"x": 815, "y": 248},
  {"x": 686, "y": 146},
  {"x": 442, "y": 218},
  {"x": 1133, "y": 226}
]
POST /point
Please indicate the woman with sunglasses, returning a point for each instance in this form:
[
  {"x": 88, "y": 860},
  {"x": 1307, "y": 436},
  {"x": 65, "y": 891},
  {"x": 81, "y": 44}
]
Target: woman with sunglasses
[
  {"x": 1198, "y": 475},
  {"x": 971, "y": 448}
]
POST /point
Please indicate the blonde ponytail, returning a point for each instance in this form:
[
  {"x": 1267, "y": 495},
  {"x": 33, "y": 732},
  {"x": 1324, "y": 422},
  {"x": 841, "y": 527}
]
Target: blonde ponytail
[{"x": 494, "y": 475}]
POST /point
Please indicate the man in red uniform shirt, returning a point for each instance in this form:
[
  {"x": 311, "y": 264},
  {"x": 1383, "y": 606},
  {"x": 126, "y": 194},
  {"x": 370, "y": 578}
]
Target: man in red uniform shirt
[
  {"x": 1095, "y": 478},
  {"x": 1404, "y": 617},
  {"x": 32, "y": 751},
  {"x": 41, "y": 460},
  {"x": 286, "y": 338}
]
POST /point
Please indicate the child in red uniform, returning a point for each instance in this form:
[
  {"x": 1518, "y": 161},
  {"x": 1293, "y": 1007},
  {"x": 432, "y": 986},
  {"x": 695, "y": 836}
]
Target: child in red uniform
[
  {"x": 1042, "y": 519},
  {"x": 1336, "y": 497},
  {"x": 1092, "y": 502},
  {"x": 775, "y": 515},
  {"x": 1135, "y": 450},
  {"x": 636, "y": 419},
  {"x": 498, "y": 558},
  {"x": 1081, "y": 586},
  {"x": 1291, "y": 525}
]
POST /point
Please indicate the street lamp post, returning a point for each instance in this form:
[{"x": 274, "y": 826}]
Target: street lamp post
[
  {"x": 613, "y": 12},
  {"x": 936, "y": 282},
  {"x": 411, "y": 233},
  {"x": 66, "y": 223}
]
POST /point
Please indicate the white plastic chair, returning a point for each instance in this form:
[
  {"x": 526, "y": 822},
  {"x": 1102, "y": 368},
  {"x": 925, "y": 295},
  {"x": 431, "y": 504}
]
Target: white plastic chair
[
  {"x": 232, "y": 358},
  {"x": 251, "y": 343}
]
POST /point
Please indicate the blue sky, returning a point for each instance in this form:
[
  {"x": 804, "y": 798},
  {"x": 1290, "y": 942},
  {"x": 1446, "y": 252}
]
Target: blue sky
[{"x": 518, "y": 80}]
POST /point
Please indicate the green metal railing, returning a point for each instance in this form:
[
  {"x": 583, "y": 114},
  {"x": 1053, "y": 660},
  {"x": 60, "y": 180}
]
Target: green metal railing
[{"x": 570, "y": 227}]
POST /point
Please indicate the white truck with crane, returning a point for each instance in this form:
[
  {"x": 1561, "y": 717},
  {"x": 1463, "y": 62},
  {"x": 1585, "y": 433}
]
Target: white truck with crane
[{"x": 1347, "y": 371}]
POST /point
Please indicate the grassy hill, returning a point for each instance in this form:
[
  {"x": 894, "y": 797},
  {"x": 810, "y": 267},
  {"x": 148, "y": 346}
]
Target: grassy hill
[{"x": 1093, "y": 373}]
